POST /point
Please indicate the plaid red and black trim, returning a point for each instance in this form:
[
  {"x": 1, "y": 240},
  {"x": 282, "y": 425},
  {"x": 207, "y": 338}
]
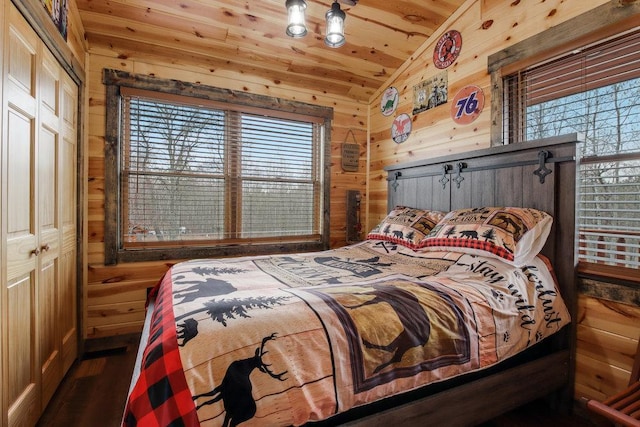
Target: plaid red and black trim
[
  {"x": 161, "y": 396},
  {"x": 397, "y": 240},
  {"x": 480, "y": 245}
]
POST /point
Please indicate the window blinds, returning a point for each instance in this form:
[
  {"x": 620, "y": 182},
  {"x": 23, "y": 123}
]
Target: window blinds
[
  {"x": 595, "y": 92},
  {"x": 198, "y": 173},
  {"x": 583, "y": 70}
]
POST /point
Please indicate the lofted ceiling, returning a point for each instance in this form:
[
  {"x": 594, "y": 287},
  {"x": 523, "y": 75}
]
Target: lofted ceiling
[{"x": 248, "y": 37}]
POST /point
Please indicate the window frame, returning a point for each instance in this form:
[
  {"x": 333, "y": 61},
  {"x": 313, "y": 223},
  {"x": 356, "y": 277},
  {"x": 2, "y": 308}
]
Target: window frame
[
  {"x": 245, "y": 102},
  {"x": 600, "y": 23}
]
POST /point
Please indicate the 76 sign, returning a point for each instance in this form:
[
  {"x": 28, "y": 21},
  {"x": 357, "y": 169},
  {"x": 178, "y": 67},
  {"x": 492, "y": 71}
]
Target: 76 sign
[{"x": 467, "y": 105}]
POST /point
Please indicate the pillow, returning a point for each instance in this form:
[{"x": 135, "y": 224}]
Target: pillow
[
  {"x": 406, "y": 226},
  {"x": 516, "y": 235}
]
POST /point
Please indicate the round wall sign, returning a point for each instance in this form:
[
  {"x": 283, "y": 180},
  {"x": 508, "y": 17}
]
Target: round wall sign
[
  {"x": 447, "y": 49},
  {"x": 401, "y": 128},
  {"x": 389, "y": 101},
  {"x": 467, "y": 104}
]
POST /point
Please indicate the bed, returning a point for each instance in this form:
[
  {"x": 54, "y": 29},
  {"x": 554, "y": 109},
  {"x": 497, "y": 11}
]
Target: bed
[{"x": 456, "y": 308}]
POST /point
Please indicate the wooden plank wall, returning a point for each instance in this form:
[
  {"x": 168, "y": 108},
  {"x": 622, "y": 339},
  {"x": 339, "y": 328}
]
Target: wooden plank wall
[
  {"x": 75, "y": 33},
  {"x": 607, "y": 331},
  {"x": 607, "y": 340}
]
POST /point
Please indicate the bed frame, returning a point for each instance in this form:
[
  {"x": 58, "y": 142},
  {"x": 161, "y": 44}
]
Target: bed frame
[{"x": 539, "y": 174}]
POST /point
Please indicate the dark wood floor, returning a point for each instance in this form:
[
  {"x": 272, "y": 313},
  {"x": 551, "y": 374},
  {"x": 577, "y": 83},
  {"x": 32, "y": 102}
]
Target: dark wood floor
[{"x": 94, "y": 391}]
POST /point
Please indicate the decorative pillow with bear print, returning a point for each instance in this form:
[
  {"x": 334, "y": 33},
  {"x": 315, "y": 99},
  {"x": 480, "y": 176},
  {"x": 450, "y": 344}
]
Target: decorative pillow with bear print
[
  {"x": 406, "y": 226},
  {"x": 515, "y": 235}
]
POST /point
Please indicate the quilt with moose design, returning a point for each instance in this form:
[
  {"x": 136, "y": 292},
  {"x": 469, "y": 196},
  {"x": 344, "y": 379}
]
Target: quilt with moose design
[{"x": 290, "y": 339}]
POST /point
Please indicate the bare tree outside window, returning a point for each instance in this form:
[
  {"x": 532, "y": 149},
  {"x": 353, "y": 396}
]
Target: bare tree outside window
[
  {"x": 173, "y": 172},
  {"x": 608, "y": 118}
]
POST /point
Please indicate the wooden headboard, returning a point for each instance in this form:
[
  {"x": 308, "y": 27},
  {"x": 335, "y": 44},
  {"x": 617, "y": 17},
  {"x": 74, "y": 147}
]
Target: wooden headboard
[{"x": 540, "y": 174}]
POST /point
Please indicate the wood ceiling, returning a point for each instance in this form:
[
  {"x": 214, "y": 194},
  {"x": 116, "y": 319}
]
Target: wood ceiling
[{"x": 248, "y": 37}]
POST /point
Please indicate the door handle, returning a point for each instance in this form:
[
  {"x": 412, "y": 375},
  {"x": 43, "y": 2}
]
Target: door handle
[
  {"x": 45, "y": 247},
  {"x": 35, "y": 252}
]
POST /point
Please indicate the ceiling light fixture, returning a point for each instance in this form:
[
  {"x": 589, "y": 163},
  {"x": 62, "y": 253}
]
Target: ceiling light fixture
[
  {"x": 296, "y": 26},
  {"x": 335, "y": 26}
]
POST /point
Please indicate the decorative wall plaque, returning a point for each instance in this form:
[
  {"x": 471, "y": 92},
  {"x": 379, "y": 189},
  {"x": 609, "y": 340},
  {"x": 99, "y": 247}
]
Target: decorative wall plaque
[
  {"x": 447, "y": 49},
  {"x": 350, "y": 157},
  {"x": 57, "y": 10},
  {"x": 467, "y": 104},
  {"x": 401, "y": 128},
  {"x": 430, "y": 93},
  {"x": 389, "y": 101}
]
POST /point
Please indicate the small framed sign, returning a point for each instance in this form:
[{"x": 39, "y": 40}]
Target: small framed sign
[
  {"x": 350, "y": 157},
  {"x": 430, "y": 93}
]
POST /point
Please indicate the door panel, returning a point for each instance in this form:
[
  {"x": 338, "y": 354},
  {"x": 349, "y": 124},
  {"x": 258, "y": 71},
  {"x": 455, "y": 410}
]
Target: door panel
[
  {"x": 48, "y": 197},
  {"x": 49, "y": 342},
  {"x": 21, "y": 366},
  {"x": 67, "y": 301},
  {"x": 22, "y": 374},
  {"x": 67, "y": 287}
]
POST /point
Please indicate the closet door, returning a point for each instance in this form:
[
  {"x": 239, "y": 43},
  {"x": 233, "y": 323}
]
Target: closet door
[
  {"x": 38, "y": 296},
  {"x": 48, "y": 245},
  {"x": 67, "y": 286},
  {"x": 21, "y": 368}
]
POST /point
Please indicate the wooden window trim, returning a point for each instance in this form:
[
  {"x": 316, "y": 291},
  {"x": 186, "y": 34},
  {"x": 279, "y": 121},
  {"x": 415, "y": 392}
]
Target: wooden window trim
[
  {"x": 602, "y": 271},
  {"x": 117, "y": 81},
  {"x": 219, "y": 104}
]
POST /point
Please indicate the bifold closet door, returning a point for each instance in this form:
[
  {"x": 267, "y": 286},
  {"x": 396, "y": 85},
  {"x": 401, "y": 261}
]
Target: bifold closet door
[
  {"x": 39, "y": 298},
  {"x": 67, "y": 316},
  {"x": 48, "y": 219},
  {"x": 20, "y": 108}
]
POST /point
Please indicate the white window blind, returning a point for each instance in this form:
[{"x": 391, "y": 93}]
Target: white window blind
[
  {"x": 594, "y": 91},
  {"x": 195, "y": 174}
]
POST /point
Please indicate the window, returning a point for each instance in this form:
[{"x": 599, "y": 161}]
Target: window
[
  {"x": 594, "y": 91},
  {"x": 204, "y": 176}
]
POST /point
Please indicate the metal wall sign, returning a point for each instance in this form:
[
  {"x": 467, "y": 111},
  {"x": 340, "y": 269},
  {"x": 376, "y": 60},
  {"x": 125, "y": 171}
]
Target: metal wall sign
[
  {"x": 447, "y": 49},
  {"x": 467, "y": 104},
  {"x": 401, "y": 128},
  {"x": 430, "y": 93},
  {"x": 389, "y": 101}
]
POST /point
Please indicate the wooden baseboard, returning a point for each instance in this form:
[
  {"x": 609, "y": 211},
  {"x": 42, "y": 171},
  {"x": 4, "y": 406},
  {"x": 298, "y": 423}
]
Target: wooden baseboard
[{"x": 110, "y": 343}]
